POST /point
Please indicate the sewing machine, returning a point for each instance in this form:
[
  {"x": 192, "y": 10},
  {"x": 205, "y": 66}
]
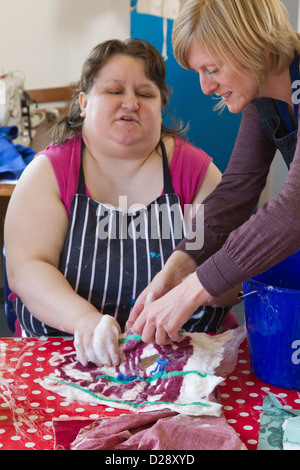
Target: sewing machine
[{"x": 11, "y": 102}]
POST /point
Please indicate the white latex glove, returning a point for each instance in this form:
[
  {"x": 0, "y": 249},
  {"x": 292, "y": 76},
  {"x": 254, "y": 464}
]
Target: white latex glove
[{"x": 101, "y": 346}]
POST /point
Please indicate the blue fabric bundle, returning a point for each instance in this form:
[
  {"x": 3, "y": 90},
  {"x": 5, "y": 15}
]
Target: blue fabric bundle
[{"x": 13, "y": 157}]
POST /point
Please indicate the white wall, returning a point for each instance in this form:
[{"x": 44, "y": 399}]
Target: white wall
[{"x": 48, "y": 40}]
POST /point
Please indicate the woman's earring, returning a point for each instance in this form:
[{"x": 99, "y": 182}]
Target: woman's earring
[{"x": 82, "y": 114}]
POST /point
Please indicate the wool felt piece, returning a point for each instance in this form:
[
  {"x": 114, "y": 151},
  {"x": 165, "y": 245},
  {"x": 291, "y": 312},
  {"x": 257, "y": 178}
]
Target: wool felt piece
[
  {"x": 180, "y": 376},
  {"x": 279, "y": 426},
  {"x": 291, "y": 434},
  {"x": 154, "y": 430}
]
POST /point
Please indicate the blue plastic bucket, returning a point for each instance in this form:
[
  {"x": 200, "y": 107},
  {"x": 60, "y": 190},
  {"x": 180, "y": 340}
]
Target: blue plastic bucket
[{"x": 272, "y": 313}]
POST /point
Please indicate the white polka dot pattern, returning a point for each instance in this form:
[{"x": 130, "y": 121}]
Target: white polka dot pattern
[
  {"x": 242, "y": 397},
  {"x": 27, "y": 409}
]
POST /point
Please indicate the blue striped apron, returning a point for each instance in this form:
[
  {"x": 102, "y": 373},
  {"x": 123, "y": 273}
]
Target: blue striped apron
[{"x": 111, "y": 255}]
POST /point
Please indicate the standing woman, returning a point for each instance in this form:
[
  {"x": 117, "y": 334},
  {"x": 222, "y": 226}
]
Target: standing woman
[{"x": 247, "y": 54}]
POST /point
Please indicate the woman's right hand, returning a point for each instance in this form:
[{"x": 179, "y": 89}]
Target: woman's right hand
[
  {"x": 161, "y": 321},
  {"x": 178, "y": 266},
  {"x": 96, "y": 339},
  {"x": 159, "y": 286}
]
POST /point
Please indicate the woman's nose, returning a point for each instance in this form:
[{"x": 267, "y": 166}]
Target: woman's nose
[
  {"x": 208, "y": 84},
  {"x": 130, "y": 101}
]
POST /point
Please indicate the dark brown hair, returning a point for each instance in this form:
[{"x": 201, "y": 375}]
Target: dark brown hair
[{"x": 155, "y": 70}]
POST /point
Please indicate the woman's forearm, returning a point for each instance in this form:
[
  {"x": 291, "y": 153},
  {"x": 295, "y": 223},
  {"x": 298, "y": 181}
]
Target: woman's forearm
[
  {"x": 179, "y": 266},
  {"x": 49, "y": 297}
]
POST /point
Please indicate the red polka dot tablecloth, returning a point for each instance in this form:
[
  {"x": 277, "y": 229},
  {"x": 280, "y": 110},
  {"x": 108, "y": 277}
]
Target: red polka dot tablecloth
[
  {"x": 242, "y": 396},
  {"x": 27, "y": 409}
]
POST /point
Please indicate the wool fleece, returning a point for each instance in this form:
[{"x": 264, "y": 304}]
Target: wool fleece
[{"x": 180, "y": 376}]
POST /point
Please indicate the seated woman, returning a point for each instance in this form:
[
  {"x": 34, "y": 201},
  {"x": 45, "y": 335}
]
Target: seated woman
[{"x": 96, "y": 215}]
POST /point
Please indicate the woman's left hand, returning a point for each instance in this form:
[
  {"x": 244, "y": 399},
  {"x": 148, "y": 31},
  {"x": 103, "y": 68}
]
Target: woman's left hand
[{"x": 96, "y": 340}]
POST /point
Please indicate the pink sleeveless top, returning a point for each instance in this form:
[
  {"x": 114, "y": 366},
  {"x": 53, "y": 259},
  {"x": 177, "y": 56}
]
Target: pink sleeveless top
[{"x": 188, "y": 168}]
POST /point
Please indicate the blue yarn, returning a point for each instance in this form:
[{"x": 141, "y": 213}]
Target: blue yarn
[
  {"x": 160, "y": 366},
  {"x": 127, "y": 378}
]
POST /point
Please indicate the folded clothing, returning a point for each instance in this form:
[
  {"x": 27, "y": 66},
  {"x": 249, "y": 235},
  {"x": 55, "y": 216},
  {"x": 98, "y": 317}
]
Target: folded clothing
[
  {"x": 13, "y": 157},
  {"x": 158, "y": 430}
]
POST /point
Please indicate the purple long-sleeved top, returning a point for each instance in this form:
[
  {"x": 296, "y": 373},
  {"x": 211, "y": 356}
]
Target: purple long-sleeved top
[{"x": 237, "y": 244}]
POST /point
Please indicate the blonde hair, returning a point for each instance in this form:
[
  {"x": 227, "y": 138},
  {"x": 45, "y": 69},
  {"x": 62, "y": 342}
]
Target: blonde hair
[{"x": 238, "y": 31}]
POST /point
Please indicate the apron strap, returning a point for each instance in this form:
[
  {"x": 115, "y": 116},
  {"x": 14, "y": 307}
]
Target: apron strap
[
  {"x": 295, "y": 75},
  {"x": 81, "y": 188},
  {"x": 168, "y": 184},
  {"x": 282, "y": 106}
]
